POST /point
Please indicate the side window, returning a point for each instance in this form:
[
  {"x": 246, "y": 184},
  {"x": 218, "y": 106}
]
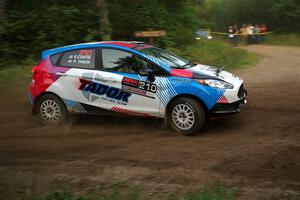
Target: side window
[
  {"x": 121, "y": 61},
  {"x": 54, "y": 58},
  {"x": 81, "y": 58}
]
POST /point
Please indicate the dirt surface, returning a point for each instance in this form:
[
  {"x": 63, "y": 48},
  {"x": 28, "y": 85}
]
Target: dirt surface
[{"x": 257, "y": 151}]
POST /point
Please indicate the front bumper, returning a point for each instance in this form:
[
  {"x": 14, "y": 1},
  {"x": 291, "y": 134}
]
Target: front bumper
[
  {"x": 229, "y": 108},
  {"x": 223, "y": 109}
]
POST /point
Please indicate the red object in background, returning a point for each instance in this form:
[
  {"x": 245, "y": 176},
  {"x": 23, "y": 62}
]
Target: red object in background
[{"x": 263, "y": 28}]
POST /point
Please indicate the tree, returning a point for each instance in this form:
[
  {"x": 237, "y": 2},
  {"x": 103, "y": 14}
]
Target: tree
[
  {"x": 105, "y": 29},
  {"x": 2, "y": 15},
  {"x": 278, "y": 14}
]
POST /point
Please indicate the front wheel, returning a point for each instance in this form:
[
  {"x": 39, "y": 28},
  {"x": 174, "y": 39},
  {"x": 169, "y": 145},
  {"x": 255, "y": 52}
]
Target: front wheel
[
  {"x": 186, "y": 115},
  {"x": 51, "y": 110}
]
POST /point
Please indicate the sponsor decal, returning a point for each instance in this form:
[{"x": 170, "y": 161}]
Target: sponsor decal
[
  {"x": 139, "y": 87},
  {"x": 130, "y": 82},
  {"x": 106, "y": 92}
]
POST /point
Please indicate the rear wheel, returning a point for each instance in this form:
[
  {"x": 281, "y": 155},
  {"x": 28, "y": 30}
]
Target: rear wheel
[
  {"x": 51, "y": 110},
  {"x": 186, "y": 116}
]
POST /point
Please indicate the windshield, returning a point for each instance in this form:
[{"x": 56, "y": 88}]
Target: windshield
[{"x": 168, "y": 58}]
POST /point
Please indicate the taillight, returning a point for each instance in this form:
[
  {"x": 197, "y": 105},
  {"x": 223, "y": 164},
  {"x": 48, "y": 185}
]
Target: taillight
[
  {"x": 38, "y": 67},
  {"x": 35, "y": 69}
]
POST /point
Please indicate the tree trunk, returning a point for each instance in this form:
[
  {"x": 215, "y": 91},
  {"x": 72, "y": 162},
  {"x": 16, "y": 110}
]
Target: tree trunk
[
  {"x": 104, "y": 28},
  {"x": 2, "y": 15}
]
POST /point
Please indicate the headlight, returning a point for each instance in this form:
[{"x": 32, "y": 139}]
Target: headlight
[{"x": 216, "y": 83}]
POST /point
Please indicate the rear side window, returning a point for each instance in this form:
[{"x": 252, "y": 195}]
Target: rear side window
[
  {"x": 54, "y": 58},
  {"x": 81, "y": 58}
]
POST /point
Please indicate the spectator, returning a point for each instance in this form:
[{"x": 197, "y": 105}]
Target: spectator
[
  {"x": 257, "y": 34},
  {"x": 250, "y": 32},
  {"x": 263, "y": 29},
  {"x": 231, "y": 35},
  {"x": 243, "y": 32},
  {"x": 236, "y": 34}
]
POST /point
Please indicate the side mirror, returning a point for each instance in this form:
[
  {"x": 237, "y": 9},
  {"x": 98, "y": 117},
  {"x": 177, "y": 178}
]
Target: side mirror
[{"x": 149, "y": 73}]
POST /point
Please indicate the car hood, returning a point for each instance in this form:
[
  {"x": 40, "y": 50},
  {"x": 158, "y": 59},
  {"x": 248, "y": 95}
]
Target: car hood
[{"x": 206, "y": 72}]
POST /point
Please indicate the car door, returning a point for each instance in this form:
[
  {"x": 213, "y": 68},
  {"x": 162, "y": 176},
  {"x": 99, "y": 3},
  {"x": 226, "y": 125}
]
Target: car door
[
  {"x": 120, "y": 70},
  {"x": 72, "y": 69}
]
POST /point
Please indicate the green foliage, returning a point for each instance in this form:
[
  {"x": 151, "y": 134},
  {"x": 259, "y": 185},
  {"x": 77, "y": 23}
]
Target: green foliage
[
  {"x": 217, "y": 53},
  {"x": 217, "y": 192},
  {"x": 178, "y": 18},
  {"x": 280, "y": 15},
  {"x": 283, "y": 39},
  {"x": 30, "y": 26},
  {"x": 123, "y": 192},
  {"x": 29, "y": 30},
  {"x": 20, "y": 72}
]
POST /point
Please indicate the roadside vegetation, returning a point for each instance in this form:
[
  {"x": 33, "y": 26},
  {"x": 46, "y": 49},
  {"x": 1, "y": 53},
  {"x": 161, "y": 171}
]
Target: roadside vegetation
[
  {"x": 217, "y": 52},
  {"x": 121, "y": 191},
  {"x": 283, "y": 39},
  {"x": 17, "y": 74}
]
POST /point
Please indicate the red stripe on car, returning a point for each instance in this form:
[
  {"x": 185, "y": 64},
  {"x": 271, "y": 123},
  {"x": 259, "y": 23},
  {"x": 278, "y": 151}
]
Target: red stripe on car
[
  {"x": 129, "y": 112},
  {"x": 182, "y": 72}
]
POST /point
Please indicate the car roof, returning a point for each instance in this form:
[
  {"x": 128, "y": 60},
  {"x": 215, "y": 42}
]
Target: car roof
[{"x": 124, "y": 44}]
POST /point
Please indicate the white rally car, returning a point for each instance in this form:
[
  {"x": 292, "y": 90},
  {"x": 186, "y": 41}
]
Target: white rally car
[{"x": 132, "y": 78}]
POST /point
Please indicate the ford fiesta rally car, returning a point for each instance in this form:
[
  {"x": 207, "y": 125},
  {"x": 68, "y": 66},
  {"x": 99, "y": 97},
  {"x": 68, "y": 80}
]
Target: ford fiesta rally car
[{"x": 132, "y": 78}]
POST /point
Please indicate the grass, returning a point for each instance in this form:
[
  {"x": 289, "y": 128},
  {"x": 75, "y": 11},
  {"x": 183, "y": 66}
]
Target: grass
[
  {"x": 121, "y": 191},
  {"x": 283, "y": 39},
  {"x": 218, "y": 52},
  {"x": 17, "y": 73}
]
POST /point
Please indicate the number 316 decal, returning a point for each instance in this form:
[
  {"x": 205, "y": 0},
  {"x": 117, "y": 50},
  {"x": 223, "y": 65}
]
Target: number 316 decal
[{"x": 147, "y": 86}]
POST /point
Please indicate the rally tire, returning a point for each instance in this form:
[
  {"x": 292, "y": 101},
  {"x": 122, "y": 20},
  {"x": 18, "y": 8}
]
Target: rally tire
[
  {"x": 51, "y": 110},
  {"x": 186, "y": 115}
]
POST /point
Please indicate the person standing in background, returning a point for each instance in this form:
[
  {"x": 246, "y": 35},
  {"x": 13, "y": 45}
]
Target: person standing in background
[
  {"x": 236, "y": 34},
  {"x": 257, "y": 35},
  {"x": 231, "y": 35},
  {"x": 263, "y": 29},
  {"x": 250, "y": 32},
  {"x": 243, "y": 32}
]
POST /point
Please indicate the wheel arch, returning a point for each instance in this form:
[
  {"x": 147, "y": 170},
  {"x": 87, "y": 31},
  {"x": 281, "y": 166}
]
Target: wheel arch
[
  {"x": 204, "y": 106},
  {"x": 36, "y": 100}
]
